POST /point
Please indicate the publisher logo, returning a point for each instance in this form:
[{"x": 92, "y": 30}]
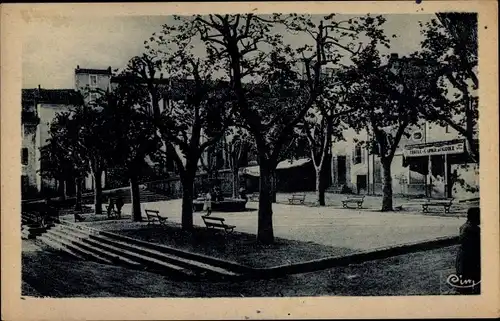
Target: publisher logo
[{"x": 458, "y": 281}]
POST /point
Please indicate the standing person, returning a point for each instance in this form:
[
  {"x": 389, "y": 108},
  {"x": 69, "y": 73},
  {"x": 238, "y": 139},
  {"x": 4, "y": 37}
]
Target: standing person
[
  {"x": 119, "y": 205},
  {"x": 468, "y": 262},
  {"x": 243, "y": 194},
  {"x": 111, "y": 205},
  {"x": 208, "y": 203}
]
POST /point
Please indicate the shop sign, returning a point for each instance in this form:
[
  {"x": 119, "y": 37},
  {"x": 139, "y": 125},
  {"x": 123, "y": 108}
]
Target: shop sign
[{"x": 439, "y": 148}]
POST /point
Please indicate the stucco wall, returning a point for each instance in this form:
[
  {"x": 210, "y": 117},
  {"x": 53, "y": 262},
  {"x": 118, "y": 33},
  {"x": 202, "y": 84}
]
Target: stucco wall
[
  {"x": 29, "y": 142},
  {"x": 47, "y": 113},
  {"x": 82, "y": 81},
  {"x": 404, "y": 181}
]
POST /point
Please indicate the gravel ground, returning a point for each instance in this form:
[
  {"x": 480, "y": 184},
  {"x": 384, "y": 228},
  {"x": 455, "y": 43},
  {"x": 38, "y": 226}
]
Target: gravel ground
[
  {"x": 358, "y": 230},
  {"x": 56, "y": 275},
  {"x": 302, "y": 233}
]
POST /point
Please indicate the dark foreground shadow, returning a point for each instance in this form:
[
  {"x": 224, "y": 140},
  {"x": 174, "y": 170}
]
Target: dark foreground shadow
[{"x": 50, "y": 274}]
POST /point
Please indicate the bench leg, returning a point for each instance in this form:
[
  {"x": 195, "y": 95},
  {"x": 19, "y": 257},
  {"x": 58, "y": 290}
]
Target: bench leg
[
  {"x": 344, "y": 205},
  {"x": 360, "y": 205},
  {"x": 424, "y": 208}
]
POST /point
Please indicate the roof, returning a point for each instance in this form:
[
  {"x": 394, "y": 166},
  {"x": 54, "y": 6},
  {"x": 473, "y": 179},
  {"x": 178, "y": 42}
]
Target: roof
[
  {"x": 286, "y": 164},
  {"x": 49, "y": 96},
  {"x": 174, "y": 88},
  {"x": 79, "y": 70}
]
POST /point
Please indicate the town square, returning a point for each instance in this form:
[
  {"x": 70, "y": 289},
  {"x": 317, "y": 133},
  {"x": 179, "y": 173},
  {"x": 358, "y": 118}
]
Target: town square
[{"x": 251, "y": 155}]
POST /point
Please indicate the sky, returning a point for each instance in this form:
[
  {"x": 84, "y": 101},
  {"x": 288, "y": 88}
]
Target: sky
[{"x": 52, "y": 48}]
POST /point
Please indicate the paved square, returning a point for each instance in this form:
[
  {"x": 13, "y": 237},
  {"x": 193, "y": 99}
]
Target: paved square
[{"x": 350, "y": 228}]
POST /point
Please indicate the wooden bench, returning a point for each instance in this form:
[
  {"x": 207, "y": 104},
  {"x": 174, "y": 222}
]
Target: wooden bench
[
  {"x": 446, "y": 203},
  {"x": 212, "y": 222},
  {"x": 337, "y": 189},
  {"x": 297, "y": 197},
  {"x": 154, "y": 216},
  {"x": 254, "y": 197},
  {"x": 358, "y": 200}
]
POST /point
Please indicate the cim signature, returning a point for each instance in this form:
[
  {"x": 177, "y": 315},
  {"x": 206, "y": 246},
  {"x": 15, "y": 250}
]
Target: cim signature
[{"x": 457, "y": 281}]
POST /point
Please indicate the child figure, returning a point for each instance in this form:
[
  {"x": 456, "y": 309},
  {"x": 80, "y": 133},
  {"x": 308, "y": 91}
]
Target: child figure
[{"x": 208, "y": 203}]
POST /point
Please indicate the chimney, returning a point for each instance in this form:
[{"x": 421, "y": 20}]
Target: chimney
[
  {"x": 394, "y": 56},
  {"x": 77, "y": 66},
  {"x": 109, "y": 69}
]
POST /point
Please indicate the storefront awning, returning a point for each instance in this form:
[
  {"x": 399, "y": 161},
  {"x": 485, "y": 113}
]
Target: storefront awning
[{"x": 286, "y": 164}]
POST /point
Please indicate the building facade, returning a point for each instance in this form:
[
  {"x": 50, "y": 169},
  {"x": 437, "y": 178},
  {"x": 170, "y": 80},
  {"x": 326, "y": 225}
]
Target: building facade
[
  {"x": 426, "y": 163},
  {"x": 39, "y": 108}
]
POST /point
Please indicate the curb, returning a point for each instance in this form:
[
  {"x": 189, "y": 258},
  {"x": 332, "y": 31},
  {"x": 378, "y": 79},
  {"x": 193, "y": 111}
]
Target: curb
[
  {"x": 296, "y": 268},
  {"x": 355, "y": 258}
]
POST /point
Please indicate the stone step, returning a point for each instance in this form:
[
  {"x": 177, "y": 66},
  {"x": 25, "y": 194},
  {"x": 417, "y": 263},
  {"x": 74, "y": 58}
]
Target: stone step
[
  {"x": 72, "y": 249},
  {"x": 207, "y": 260},
  {"x": 118, "y": 255},
  {"x": 66, "y": 239},
  {"x": 149, "y": 263},
  {"x": 140, "y": 252},
  {"x": 199, "y": 267}
]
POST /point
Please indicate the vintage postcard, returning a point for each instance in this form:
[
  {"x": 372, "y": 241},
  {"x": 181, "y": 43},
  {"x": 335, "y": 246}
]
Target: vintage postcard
[{"x": 250, "y": 160}]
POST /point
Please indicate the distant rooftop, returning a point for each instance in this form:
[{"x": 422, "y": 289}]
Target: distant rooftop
[
  {"x": 106, "y": 71},
  {"x": 50, "y": 96}
]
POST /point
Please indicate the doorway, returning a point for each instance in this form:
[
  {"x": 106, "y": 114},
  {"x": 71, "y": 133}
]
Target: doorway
[
  {"x": 361, "y": 183},
  {"x": 341, "y": 170}
]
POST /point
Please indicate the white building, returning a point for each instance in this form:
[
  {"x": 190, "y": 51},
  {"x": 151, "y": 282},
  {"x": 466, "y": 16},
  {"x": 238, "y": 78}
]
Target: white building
[{"x": 440, "y": 150}]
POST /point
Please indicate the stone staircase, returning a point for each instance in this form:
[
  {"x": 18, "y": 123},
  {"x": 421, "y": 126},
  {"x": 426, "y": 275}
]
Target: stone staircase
[
  {"x": 32, "y": 225},
  {"x": 32, "y": 231},
  {"x": 109, "y": 248}
]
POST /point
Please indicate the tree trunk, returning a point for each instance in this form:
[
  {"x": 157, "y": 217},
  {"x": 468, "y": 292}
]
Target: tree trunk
[
  {"x": 387, "y": 185},
  {"x": 78, "y": 186},
  {"x": 265, "y": 233},
  {"x": 136, "y": 199},
  {"x": 274, "y": 183},
  {"x": 320, "y": 186},
  {"x": 62, "y": 190},
  {"x": 236, "y": 181},
  {"x": 187, "y": 200},
  {"x": 98, "y": 192}
]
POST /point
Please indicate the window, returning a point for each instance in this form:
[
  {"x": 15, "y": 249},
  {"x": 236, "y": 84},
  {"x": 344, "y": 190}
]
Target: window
[
  {"x": 93, "y": 80},
  {"x": 93, "y": 96},
  {"x": 447, "y": 128},
  {"x": 24, "y": 156},
  {"x": 357, "y": 157}
]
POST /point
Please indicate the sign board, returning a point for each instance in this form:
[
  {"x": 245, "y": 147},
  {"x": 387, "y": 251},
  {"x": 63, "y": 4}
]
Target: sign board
[{"x": 438, "y": 148}]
